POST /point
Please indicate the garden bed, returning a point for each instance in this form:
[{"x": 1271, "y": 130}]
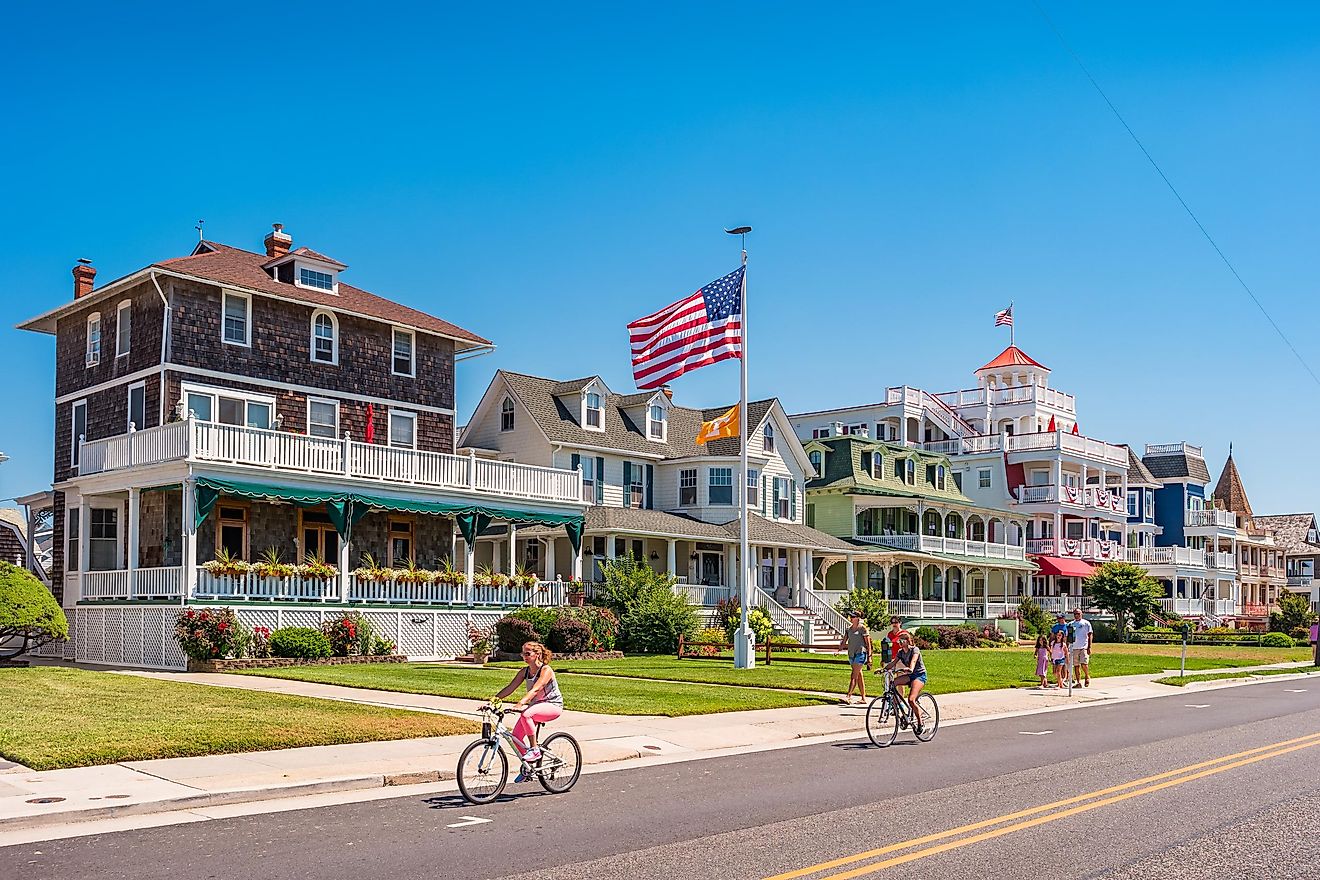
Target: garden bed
[
  {"x": 506, "y": 656},
  {"x": 281, "y": 662}
]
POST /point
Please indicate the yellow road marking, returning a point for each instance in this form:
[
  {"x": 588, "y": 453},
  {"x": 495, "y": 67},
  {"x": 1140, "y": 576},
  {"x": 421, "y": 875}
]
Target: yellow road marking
[{"x": 1305, "y": 742}]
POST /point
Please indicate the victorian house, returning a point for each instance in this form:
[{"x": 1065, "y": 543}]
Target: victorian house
[
  {"x": 1258, "y": 559},
  {"x": 1297, "y": 535}
]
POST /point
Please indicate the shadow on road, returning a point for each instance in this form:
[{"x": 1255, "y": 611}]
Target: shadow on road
[{"x": 454, "y": 801}]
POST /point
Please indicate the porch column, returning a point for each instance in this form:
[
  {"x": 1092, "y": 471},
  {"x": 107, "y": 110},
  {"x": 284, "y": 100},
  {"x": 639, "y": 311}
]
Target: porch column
[
  {"x": 671, "y": 557},
  {"x": 189, "y": 554},
  {"x": 609, "y": 547},
  {"x": 469, "y": 566},
  {"x": 513, "y": 549},
  {"x": 345, "y": 554},
  {"x": 851, "y": 572},
  {"x": 551, "y": 564},
  {"x": 134, "y": 515},
  {"x": 577, "y": 561}
]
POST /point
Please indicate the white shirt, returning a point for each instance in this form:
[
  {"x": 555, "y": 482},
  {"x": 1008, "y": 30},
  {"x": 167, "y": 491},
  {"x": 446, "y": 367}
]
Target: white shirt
[{"x": 1081, "y": 629}]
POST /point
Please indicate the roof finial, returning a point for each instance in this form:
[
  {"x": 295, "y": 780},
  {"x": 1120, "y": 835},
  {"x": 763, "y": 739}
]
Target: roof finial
[
  {"x": 198, "y": 227},
  {"x": 1230, "y": 448}
]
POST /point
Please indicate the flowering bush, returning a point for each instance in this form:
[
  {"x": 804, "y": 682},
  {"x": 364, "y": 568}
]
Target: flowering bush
[
  {"x": 454, "y": 577},
  {"x": 260, "y": 645},
  {"x": 207, "y": 633},
  {"x": 350, "y": 633},
  {"x": 318, "y": 568},
  {"x": 479, "y": 638},
  {"x": 383, "y": 647}
]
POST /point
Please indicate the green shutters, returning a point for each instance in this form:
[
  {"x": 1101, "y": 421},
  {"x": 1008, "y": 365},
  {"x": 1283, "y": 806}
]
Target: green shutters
[
  {"x": 775, "y": 508},
  {"x": 600, "y": 480},
  {"x": 792, "y": 500},
  {"x": 627, "y": 483},
  {"x": 650, "y": 487}
]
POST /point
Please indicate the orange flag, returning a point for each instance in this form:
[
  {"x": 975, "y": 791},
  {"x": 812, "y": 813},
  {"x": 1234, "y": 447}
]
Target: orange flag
[{"x": 724, "y": 426}]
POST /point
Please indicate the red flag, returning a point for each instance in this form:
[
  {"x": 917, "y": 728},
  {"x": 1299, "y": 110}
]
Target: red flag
[
  {"x": 1052, "y": 426},
  {"x": 371, "y": 424},
  {"x": 1075, "y": 428}
]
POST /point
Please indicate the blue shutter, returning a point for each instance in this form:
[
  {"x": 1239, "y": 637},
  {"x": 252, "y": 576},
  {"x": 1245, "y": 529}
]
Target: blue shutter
[
  {"x": 650, "y": 487},
  {"x": 792, "y": 500},
  {"x": 627, "y": 484},
  {"x": 600, "y": 480}
]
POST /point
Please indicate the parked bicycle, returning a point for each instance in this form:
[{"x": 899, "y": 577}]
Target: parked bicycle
[
  {"x": 890, "y": 712},
  {"x": 483, "y": 768}
]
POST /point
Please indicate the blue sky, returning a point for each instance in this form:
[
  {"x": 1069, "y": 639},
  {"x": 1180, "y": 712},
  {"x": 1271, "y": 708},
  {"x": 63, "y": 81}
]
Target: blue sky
[{"x": 541, "y": 175}]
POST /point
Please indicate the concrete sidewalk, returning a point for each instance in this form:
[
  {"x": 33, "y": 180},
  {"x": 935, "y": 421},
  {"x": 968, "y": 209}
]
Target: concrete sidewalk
[{"x": 30, "y": 799}]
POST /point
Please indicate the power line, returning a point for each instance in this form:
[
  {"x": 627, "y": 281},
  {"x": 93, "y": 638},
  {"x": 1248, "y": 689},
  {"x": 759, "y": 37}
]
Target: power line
[{"x": 1173, "y": 189}]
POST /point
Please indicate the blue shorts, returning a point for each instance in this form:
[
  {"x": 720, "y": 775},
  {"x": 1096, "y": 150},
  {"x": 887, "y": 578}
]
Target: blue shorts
[{"x": 859, "y": 659}]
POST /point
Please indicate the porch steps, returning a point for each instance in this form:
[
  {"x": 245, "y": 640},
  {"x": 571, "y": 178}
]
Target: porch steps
[{"x": 821, "y": 632}]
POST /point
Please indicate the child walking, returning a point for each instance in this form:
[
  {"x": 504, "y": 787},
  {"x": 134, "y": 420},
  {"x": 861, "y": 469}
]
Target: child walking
[
  {"x": 1043, "y": 660},
  {"x": 1059, "y": 655}
]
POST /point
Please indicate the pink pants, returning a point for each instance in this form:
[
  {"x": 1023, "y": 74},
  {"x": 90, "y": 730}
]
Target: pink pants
[{"x": 537, "y": 713}]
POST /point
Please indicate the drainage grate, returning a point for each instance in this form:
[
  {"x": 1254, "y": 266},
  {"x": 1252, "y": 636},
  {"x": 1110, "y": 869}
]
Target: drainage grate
[{"x": 45, "y": 800}]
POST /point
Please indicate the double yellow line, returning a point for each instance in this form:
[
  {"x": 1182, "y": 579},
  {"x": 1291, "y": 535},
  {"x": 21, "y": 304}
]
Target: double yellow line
[{"x": 1034, "y": 816}]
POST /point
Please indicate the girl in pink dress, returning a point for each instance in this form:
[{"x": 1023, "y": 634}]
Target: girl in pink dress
[{"x": 1043, "y": 660}]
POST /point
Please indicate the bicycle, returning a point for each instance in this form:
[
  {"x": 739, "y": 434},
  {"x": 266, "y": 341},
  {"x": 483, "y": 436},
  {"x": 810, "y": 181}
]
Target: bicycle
[
  {"x": 892, "y": 708},
  {"x": 483, "y": 779}
]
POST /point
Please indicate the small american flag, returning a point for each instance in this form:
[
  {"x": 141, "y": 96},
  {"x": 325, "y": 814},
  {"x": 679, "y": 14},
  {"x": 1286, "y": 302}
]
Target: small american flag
[
  {"x": 702, "y": 329},
  {"x": 1004, "y": 317}
]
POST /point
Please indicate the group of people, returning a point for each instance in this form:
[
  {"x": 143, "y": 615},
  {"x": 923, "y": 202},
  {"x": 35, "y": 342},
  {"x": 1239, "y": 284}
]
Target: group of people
[
  {"x": 898, "y": 652},
  {"x": 1067, "y": 640}
]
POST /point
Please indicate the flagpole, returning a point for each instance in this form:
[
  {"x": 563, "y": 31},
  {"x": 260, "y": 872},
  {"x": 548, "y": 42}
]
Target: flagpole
[
  {"x": 744, "y": 649},
  {"x": 1011, "y": 343}
]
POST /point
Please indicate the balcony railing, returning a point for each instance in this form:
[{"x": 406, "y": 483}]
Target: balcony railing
[
  {"x": 1097, "y": 499},
  {"x": 146, "y": 583},
  {"x": 1012, "y": 395},
  {"x": 1071, "y": 444},
  {"x": 1210, "y": 518},
  {"x": 1173, "y": 449},
  {"x": 1300, "y": 581},
  {"x": 1077, "y": 548},
  {"x": 1219, "y": 561},
  {"x": 938, "y": 544},
  {"x": 212, "y": 442},
  {"x": 928, "y": 608},
  {"x": 1199, "y": 607},
  {"x": 1187, "y": 557}
]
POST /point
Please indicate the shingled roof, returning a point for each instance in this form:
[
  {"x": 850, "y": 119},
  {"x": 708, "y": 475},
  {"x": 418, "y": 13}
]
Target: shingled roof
[
  {"x": 1177, "y": 466},
  {"x": 543, "y": 398},
  {"x": 1138, "y": 474},
  {"x": 632, "y": 520},
  {"x": 1290, "y": 530},
  {"x": 1231, "y": 494}
]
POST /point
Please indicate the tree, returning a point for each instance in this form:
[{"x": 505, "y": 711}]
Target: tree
[
  {"x": 867, "y": 601},
  {"x": 29, "y": 615},
  {"x": 627, "y": 581},
  {"x": 1128, "y": 592},
  {"x": 1294, "y": 612}
]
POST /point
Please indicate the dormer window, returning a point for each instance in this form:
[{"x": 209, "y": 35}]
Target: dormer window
[
  {"x": 768, "y": 441},
  {"x": 318, "y": 280},
  {"x": 595, "y": 413},
  {"x": 93, "y": 339},
  {"x": 325, "y": 338},
  {"x": 655, "y": 423},
  {"x": 939, "y": 476},
  {"x": 878, "y": 465},
  {"x": 910, "y": 472},
  {"x": 506, "y": 414},
  {"x": 817, "y": 459}
]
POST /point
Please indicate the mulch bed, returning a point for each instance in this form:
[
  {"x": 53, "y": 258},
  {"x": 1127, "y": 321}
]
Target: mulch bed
[
  {"x": 278, "y": 662},
  {"x": 586, "y": 655}
]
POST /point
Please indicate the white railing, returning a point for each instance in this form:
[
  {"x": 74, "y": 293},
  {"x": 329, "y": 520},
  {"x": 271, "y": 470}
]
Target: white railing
[
  {"x": 1012, "y": 395},
  {"x": 1077, "y": 548},
  {"x": 944, "y": 447},
  {"x": 928, "y": 608},
  {"x": 1063, "y": 604},
  {"x": 250, "y": 586},
  {"x": 823, "y": 609},
  {"x": 1220, "y": 561},
  {"x": 1173, "y": 449},
  {"x": 1037, "y": 494},
  {"x": 703, "y": 595},
  {"x": 408, "y": 592},
  {"x": 1073, "y": 444},
  {"x": 104, "y": 584},
  {"x": 1303, "y": 581},
  {"x": 897, "y": 542},
  {"x": 904, "y": 395},
  {"x": 158, "y": 583},
  {"x": 1188, "y": 557},
  {"x": 794, "y": 627},
  {"x": 978, "y": 607},
  {"x": 1202, "y": 607},
  {"x": 280, "y": 451},
  {"x": 1210, "y": 517},
  {"x": 938, "y": 544}
]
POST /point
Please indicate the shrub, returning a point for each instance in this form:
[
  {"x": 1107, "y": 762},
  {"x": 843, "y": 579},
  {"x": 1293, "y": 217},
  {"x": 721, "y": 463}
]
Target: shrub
[
  {"x": 1035, "y": 620},
  {"x": 1294, "y": 610},
  {"x": 1302, "y": 643},
  {"x": 1103, "y": 632},
  {"x": 781, "y": 639},
  {"x": 709, "y": 634},
  {"x": 208, "y": 633},
  {"x": 928, "y": 633},
  {"x": 513, "y": 632},
  {"x": 627, "y": 581},
  {"x": 654, "y": 623},
  {"x": 760, "y": 623},
  {"x": 349, "y": 633},
  {"x": 301, "y": 642},
  {"x": 259, "y": 647},
  {"x": 541, "y": 620},
  {"x": 603, "y": 624},
  {"x": 569, "y": 636},
  {"x": 1276, "y": 640},
  {"x": 383, "y": 647},
  {"x": 870, "y": 603},
  {"x": 1301, "y": 632},
  {"x": 922, "y": 643},
  {"x": 29, "y": 614}
]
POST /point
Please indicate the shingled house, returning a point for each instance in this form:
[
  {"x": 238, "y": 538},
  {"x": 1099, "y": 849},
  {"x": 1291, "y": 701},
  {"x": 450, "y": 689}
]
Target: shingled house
[{"x": 1297, "y": 535}]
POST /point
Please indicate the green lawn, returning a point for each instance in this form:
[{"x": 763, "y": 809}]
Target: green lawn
[
  {"x": 1181, "y": 680},
  {"x": 57, "y": 717},
  {"x": 585, "y": 693}
]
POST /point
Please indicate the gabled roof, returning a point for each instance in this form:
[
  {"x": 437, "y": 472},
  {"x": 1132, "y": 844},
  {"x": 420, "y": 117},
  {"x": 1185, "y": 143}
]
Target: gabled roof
[
  {"x": 1231, "y": 494},
  {"x": 1012, "y": 357},
  {"x": 844, "y": 471},
  {"x": 658, "y": 522},
  {"x": 1290, "y": 530},
  {"x": 1138, "y": 474},
  {"x": 1177, "y": 466},
  {"x": 292, "y": 255}
]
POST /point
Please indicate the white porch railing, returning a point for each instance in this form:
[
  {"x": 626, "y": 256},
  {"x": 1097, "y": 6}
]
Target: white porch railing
[
  {"x": 1185, "y": 607},
  {"x": 1210, "y": 518},
  {"x": 704, "y": 596},
  {"x": 928, "y": 608},
  {"x": 1300, "y": 581},
  {"x": 1077, "y": 548},
  {"x": 1186, "y": 557},
  {"x": 818, "y": 606},
  {"x": 1072, "y": 444},
  {"x": 250, "y": 586},
  {"x": 1012, "y": 395},
  {"x": 257, "y": 447},
  {"x": 105, "y": 584},
  {"x": 1219, "y": 561},
  {"x": 146, "y": 583},
  {"x": 1063, "y": 604},
  {"x": 939, "y": 544}
]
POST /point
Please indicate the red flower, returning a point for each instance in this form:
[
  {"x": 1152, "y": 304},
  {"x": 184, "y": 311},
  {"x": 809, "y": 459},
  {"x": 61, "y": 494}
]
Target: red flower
[{"x": 222, "y": 626}]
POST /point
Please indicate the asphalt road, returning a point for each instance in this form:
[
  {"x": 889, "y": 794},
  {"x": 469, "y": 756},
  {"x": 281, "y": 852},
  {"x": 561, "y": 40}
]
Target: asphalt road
[{"x": 762, "y": 814}]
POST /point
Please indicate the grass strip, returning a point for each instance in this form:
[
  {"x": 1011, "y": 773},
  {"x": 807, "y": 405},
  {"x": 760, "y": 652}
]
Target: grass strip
[{"x": 1182, "y": 680}]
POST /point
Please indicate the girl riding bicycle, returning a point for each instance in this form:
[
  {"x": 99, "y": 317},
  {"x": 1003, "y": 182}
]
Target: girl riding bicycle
[
  {"x": 909, "y": 670},
  {"x": 541, "y": 703}
]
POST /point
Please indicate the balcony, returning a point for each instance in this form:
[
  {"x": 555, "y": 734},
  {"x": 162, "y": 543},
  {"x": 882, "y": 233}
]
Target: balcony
[
  {"x": 1076, "y": 548},
  {"x": 928, "y": 608},
  {"x": 1008, "y": 396},
  {"x": 1091, "y": 498},
  {"x": 1184, "y": 607},
  {"x": 213, "y": 443},
  {"x": 937, "y": 544},
  {"x": 1068, "y": 444},
  {"x": 1173, "y": 449},
  {"x": 1210, "y": 518},
  {"x": 1300, "y": 582},
  {"x": 1220, "y": 561},
  {"x": 1183, "y": 557}
]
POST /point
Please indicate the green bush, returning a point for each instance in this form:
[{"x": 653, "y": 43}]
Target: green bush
[
  {"x": 1302, "y": 643},
  {"x": 1036, "y": 621},
  {"x": 781, "y": 639},
  {"x": 541, "y": 619},
  {"x": 511, "y": 633},
  {"x": 928, "y": 633},
  {"x": 29, "y": 614},
  {"x": 349, "y": 633},
  {"x": 1276, "y": 640},
  {"x": 603, "y": 623},
  {"x": 627, "y": 581},
  {"x": 1102, "y": 632},
  {"x": 569, "y": 636},
  {"x": 210, "y": 633},
  {"x": 871, "y": 604},
  {"x": 301, "y": 642},
  {"x": 655, "y": 621},
  {"x": 758, "y": 620}
]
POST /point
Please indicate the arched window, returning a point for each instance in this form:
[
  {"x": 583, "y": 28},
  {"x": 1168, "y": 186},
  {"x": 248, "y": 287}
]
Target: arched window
[
  {"x": 93, "y": 339},
  {"x": 506, "y": 414},
  {"x": 768, "y": 443},
  {"x": 939, "y": 476},
  {"x": 325, "y": 338},
  {"x": 817, "y": 461}
]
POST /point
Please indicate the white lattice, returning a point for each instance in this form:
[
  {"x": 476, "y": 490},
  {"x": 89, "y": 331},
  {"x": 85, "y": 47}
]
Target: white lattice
[
  {"x": 416, "y": 632},
  {"x": 157, "y": 629},
  {"x": 96, "y": 635},
  {"x": 384, "y": 624},
  {"x": 254, "y": 617},
  {"x": 298, "y": 617},
  {"x": 131, "y": 636}
]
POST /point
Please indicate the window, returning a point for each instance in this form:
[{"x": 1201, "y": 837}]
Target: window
[
  {"x": 237, "y": 311},
  {"x": 589, "y": 480},
  {"x": 930, "y": 475},
  {"x": 322, "y": 417},
  {"x": 1150, "y": 503},
  {"x": 79, "y": 429},
  {"x": 103, "y": 540},
  {"x": 595, "y": 417},
  {"x": 320, "y": 540},
  {"x": 404, "y": 363},
  {"x": 71, "y": 556},
  {"x": 783, "y": 498},
  {"x": 855, "y": 430},
  {"x": 818, "y": 433},
  {"x": 656, "y": 422},
  {"x": 811, "y": 516},
  {"x": 403, "y": 429},
  {"x": 940, "y": 472},
  {"x": 506, "y": 414},
  {"x": 687, "y": 487},
  {"x": 634, "y": 486},
  {"x": 817, "y": 459},
  {"x": 93, "y": 339},
  {"x": 878, "y": 465},
  {"x": 231, "y": 534},
  {"x": 753, "y": 487},
  {"x": 325, "y": 338},
  {"x": 768, "y": 442},
  {"x": 983, "y": 478},
  {"x": 137, "y": 406},
  {"x": 229, "y": 407},
  {"x": 721, "y": 485},
  {"x": 957, "y": 479},
  {"x": 532, "y": 556},
  {"x": 1132, "y": 497},
  {"x": 312, "y": 278},
  {"x": 910, "y": 472},
  {"x": 401, "y": 542},
  {"x": 123, "y": 328}
]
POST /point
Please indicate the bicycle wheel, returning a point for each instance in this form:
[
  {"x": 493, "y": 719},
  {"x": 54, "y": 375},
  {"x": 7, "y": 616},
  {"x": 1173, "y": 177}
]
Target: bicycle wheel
[
  {"x": 562, "y": 764},
  {"x": 930, "y": 717},
  {"x": 483, "y": 770},
  {"x": 881, "y": 722}
]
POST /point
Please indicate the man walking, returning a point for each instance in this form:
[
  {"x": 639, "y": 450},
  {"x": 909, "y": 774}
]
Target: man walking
[
  {"x": 1079, "y": 644},
  {"x": 1060, "y": 626}
]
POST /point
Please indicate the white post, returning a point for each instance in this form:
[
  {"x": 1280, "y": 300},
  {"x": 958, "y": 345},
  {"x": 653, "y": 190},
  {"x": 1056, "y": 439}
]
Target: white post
[
  {"x": 469, "y": 569},
  {"x": 744, "y": 648},
  {"x": 671, "y": 560},
  {"x": 851, "y": 573},
  {"x": 345, "y": 551},
  {"x": 513, "y": 549},
  {"x": 134, "y": 516},
  {"x": 84, "y": 543},
  {"x": 577, "y": 562},
  {"x": 551, "y": 564},
  {"x": 189, "y": 549},
  {"x": 348, "y": 448},
  {"x": 609, "y": 547}
]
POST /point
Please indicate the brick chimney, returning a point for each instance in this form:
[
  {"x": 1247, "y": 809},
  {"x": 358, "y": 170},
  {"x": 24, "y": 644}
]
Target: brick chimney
[
  {"x": 278, "y": 242},
  {"x": 83, "y": 275}
]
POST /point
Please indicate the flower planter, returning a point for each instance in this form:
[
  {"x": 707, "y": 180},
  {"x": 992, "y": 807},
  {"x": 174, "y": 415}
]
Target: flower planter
[
  {"x": 577, "y": 600},
  {"x": 480, "y": 658}
]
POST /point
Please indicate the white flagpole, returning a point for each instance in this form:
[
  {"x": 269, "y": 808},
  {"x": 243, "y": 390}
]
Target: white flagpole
[
  {"x": 744, "y": 649},
  {"x": 1011, "y": 323}
]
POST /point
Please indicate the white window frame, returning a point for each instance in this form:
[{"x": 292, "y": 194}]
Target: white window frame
[
  {"x": 74, "y": 458},
  {"x": 817, "y": 460},
  {"x": 587, "y": 409},
  {"x": 334, "y": 338},
  {"x": 710, "y": 484},
  {"x": 511, "y": 412},
  {"x": 332, "y": 402},
  {"x": 652, "y": 422},
  {"x": 120, "y": 528},
  {"x": 404, "y": 414},
  {"x": 412, "y": 352},
  {"x": 785, "y": 505},
  {"x": 682, "y": 474},
  {"x": 752, "y": 491},
  {"x": 247, "y": 318},
  {"x": 123, "y": 341},
  {"x": 768, "y": 438},
  {"x": 128, "y": 415},
  {"x": 298, "y": 271},
  {"x": 941, "y": 476},
  {"x": 94, "y": 353},
  {"x": 215, "y": 393}
]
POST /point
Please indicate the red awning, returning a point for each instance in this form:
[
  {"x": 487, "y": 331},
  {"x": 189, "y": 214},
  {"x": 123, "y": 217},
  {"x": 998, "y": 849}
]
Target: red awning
[{"x": 1064, "y": 567}]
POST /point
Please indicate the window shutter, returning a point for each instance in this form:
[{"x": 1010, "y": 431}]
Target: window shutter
[
  {"x": 774, "y": 509},
  {"x": 763, "y": 493},
  {"x": 792, "y": 500},
  {"x": 600, "y": 479},
  {"x": 627, "y": 483},
  {"x": 650, "y": 487}
]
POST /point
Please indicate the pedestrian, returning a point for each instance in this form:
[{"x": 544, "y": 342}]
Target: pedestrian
[
  {"x": 1082, "y": 638},
  {"x": 857, "y": 639},
  {"x": 1043, "y": 660},
  {"x": 1060, "y": 626},
  {"x": 892, "y": 636},
  {"x": 1059, "y": 656}
]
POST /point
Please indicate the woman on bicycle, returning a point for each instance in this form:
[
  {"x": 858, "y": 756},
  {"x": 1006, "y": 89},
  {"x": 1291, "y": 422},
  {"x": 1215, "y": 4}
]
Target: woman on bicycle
[
  {"x": 911, "y": 671},
  {"x": 541, "y": 703}
]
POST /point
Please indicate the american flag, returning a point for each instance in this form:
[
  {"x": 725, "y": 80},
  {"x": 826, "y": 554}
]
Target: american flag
[
  {"x": 1004, "y": 317},
  {"x": 702, "y": 329}
]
